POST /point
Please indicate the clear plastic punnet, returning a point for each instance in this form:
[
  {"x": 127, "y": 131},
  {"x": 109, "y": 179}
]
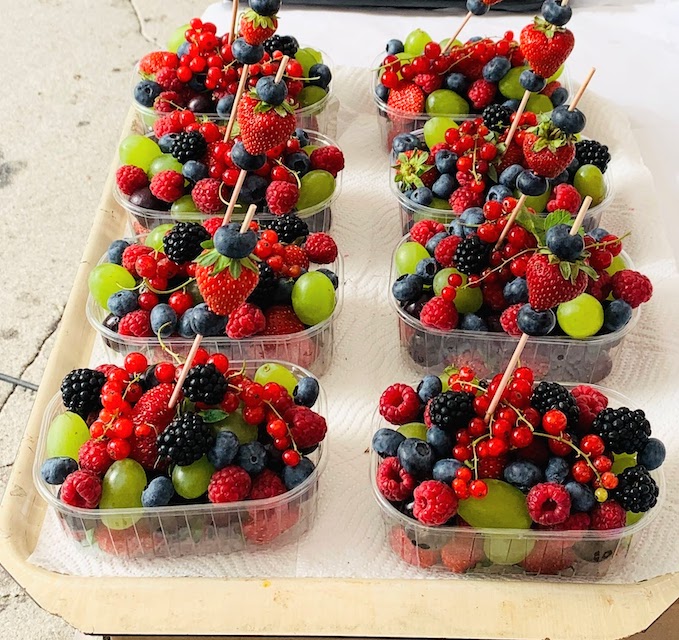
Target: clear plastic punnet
[
  {"x": 191, "y": 529},
  {"x": 587, "y": 360},
  {"x": 579, "y": 555}
]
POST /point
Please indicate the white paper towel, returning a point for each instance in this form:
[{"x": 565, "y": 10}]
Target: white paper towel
[{"x": 348, "y": 538}]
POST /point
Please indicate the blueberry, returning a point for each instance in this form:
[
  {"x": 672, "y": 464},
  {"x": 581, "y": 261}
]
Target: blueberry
[
  {"x": 652, "y": 455},
  {"x": 183, "y": 49},
  {"x": 56, "y": 470},
  {"x": 230, "y": 242},
  {"x": 512, "y": 104},
  {"x": 165, "y": 142},
  {"x": 496, "y": 69},
  {"x": 115, "y": 251},
  {"x": 531, "y": 81},
  {"x": 422, "y": 196},
  {"x": 554, "y": 13},
  {"x": 456, "y": 228},
  {"x": 516, "y": 291},
  {"x": 562, "y": 178},
  {"x": 321, "y": 76},
  {"x": 440, "y": 442},
  {"x": 111, "y": 322},
  {"x": 144, "y": 199},
  {"x": 158, "y": 493},
  {"x": 225, "y": 104},
  {"x": 331, "y": 275},
  {"x": 535, "y": 323},
  {"x": 299, "y": 162},
  {"x": 471, "y": 219},
  {"x": 477, "y": 7},
  {"x": 195, "y": 171},
  {"x": 416, "y": 457},
  {"x": 197, "y": 82},
  {"x": 223, "y": 451},
  {"x": 457, "y": 82},
  {"x": 531, "y": 184},
  {"x": 382, "y": 92},
  {"x": 407, "y": 287},
  {"x": 247, "y": 53},
  {"x": 405, "y": 142},
  {"x": 557, "y": 470},
  {"x": 408, "y": 193},
  {"x": 163, "y": 320},
  {"x": 582, "y": 497},
  {"x": 146, "y": 92},
  {"x": 202, "y": 103},
  {"x": 122, "y": 302},
  {"x": 244, "y": 160},
  {"x": 616, "y": 315},
  {"x": 184, "y": 327},
  {"x": 254, "y": 189},
  {"x": 206, "y": 322},
  {"x": 303, "y": 137},
  {"x": 306, "y": 392},
  {"x": 509, "y": 175},
  {"x": 270, "y": 91},
  {"x": 148, "y": 379},
  {"x": 430, "y": 386},
  {"x": 569, "y": 121},
  {"x": 283, "y": 292},
  {"x": 433, "y": 242},
  {"x": 427, "y": 268},
  {"x": 252, "y": 457},
  {"x": 444, "y": 186},
  {"x": 523, "y": 474},
  {"x": 446, "y": 470},
  {"x": 472, "y": 322},
  {"x": 265, "y": 7},
  {"x": 598, "y": 233},
  {"x": 573, "y": 167},
  {"x": 395, "y": 46},
  {"x": 498, "y": 192},
  {"x": 563, "y": 245},
  {"x": 446, "y": 161},
  {"x": 559, "y": 96},
  {"x": 385, "y": 442},
  {"x": 294, "y": 476}
]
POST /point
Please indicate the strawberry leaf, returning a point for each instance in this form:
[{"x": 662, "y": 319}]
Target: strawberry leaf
[
  {"x": 492, "y": 173},
  {"x": 208, "y": 258},
  {"x": 222, "y": 263},
  {"x": 234, "y": 268},
  {"x": 208, "y": 244},
  {"x": 566, "y": 269},
  {"x": 589, "y": 271},
  {"x": 249, "y": 264},
  {"x": 560, "y": 216},
  {"x": 213, "y": 415}
]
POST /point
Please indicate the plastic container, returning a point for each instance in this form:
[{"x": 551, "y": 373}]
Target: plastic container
[
  {"x": 312, "y": 348},
  {"x": 411, "y": 212},
  {"x": 588, "y": 360},
  {"x": 318, "y": 218},
  {"x": 585, "y": 554},
  {"x": 192, "y": 529}
]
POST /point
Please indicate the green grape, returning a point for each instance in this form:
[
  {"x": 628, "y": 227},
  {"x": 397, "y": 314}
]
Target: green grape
[
  {"x": 633, "y": 518},
  {"x": 504, "y": 507},
  {"x": 468, "y": 300},
  {"x": 192, "y": 481},
  {"x": 444, "y": 102},
  {"x": 273, "y": 372},
  {"x": 311, "y": 95},
  {"x": 435, "y": 129},
  {"x": 415, "y": 42},
  {"x": 66, "y": 434},
  {"x": 408, "y": 255},
  {"x": 310, "y": 148},
  {"x": 316, "y": 186},
  {"x": 556, "y": 75},
  {"x": 192, "y": 288},
  {"x": 164, "y": 162},
  {"x": 506, "y": 551},
  {"x": 442, "y": 205},
  {"x": 622, "y": 461},
  {"x": 618, "y": 264},
  {"x": 413, "y": 430},
  {"x": 538, "y": 103},
  {"x": 121, "y": 489},
  {"x": 313, "y": 297},
  {"x": 589, "y": 181},
  {"x": 155, "y": 237},
  {"x": 537, "y": 203},
  {"x": 139, "y": 151},
  {"x": 177, "y": 38},
  {"x": 242, "y": 430},
  {"x": 308, "y": 57},
  {"x": 185, "y": 210},
  {"x": 445, "y": 41},
  {"x": 510, "y": 87},
  {"x": 445, "y": 377},
  {"x": 581, "y": 317},
  {"x": 106, "y": 279}
]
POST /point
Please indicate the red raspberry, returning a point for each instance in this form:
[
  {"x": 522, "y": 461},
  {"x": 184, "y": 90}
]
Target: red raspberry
[
  {"x": 513, "y": 155},
  {"x": 409, "y": 552},
  {"x": 248, "y": 320},
  {"x": 267, "y": 525},
  {"x": 428, "y": 82},
  {"x": 167, "y": 78},
  {"x": 463, "y": 198},
  {"x": 205, "y": 195},
  {"x": 152, "y": 62},
  {"x": 106, "y": 368},
  {"x": 492, "y": 468},
  {"x": 130, "y": 178},
  {"x": 439, "y": 146},
  {"x": 399, "y": 404},
  {"x": 153, "y": 408},
  {"x": 307, "y": 427},
  {"x": 493, "y": 296},
  {"x": 537, "y": 452},
  {"x": 93, "y": 456},
  {"x": 393, "y": 481},
  {"x": 632, "y": 287},
  {"x": 167, "y": 101},
  {"x": 266, "y": 485},
  {"x": 167, "y": 186},
  {"x": 425, "y": 230},
  {"x": 508, "y": 320},
  {"x": 445, "y": 250},
  {"x": 136, "y": 323},
  {"x": 481, "y": 93},
  {"x": 145, "y": 451},
  {"x": 229, "y": 484},
  {"x": 549, "y": 557},
  {"x": 550, "y": 88},
  {"x": 601, "y": 287},
  {"x": 166, "y": 124},
  {"x": 330, "y": 159},
  {"x": 608, "y": 515},
  {"x": 566, "y": 197},
  {"x": 81, "y": 489},
  {"x": 590, "y": 404},
  {"x": 460, "y": 553},
  {"x": 133, "y": 542},
  {"x": 439, "y": 314},
  {"x": 295, "y": 255},
  {"x": 435, "y": 503},
  {"x": 282, "y": 320},
  {"x": 212, "y": 224},
  {"x": 281, "y": 197},
  {"x": 320, "y": 248},
  {"x": 574, "y": 522},
  {"x": 548, "y": 503}
]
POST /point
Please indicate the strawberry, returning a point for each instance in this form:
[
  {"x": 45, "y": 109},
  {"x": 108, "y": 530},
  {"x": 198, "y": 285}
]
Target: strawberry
[
  {"x": 263, "y": 126},
  {"x": 152, "y": 62},
  {"x": 281, "y": 320},
  {"x": 407, "y": 98},
  {"x": 545, "y": 46},
  {"x": 225, "y": 283},
  {"x": 513, "y": 155},
  {"x": 551, "y": 282},
  {"x": 255, "y": 29},
  {"x": 144, "y": 450},
  {"x": 547, "y": 150},
  {"x": 152, "y": 408}
]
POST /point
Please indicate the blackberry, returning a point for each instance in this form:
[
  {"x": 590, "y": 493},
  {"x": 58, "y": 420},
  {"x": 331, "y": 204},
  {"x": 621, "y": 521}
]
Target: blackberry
[
  {"x": 472, "y": 255},
  {"x": 497, "y": 117},
  {"x": 205, "y": 384},
  {"x": 451, "y": 410},
  {"x": 592, "y": 152},
  {"x": 182, "y": 243},
  {"x": 263, "y": 294},
  {"x": 80, "y": 391},
  {"x": 186, "y": 440},
  {"x": 287, "y": 45},
  {"x": 289, "y": 227},
  {"x": 188, "y": 146},
  {"x": 551, "y": 395},
  {"x": 623, "y": 430},
  {"x": 636, "y": 490}
]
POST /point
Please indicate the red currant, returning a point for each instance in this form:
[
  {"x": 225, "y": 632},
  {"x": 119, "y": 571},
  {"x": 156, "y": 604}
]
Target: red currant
[
  {"x": 164, "y": 372},
  {"x": 181, "y": 302},
  {"x": 609, "y": 480},
  {"x": 432, "y": 50},
  {"x": 460, "y": 487},
  {"x": 602, "y": 464},
  {"x": 291, "y": 457},
  {"x": 478, "y": 488},
  {"x": 582, "y": 472},
  {"x": 521, "y": 437},
  {"x": 554, "y": 422},
  {"x": 254, "y": 414},
  {"x": 136, "y": 362},
  {"x": 118, "y": 448},
  {"x": 220, "y": 361},
  {"x": 122, "y": 428}
]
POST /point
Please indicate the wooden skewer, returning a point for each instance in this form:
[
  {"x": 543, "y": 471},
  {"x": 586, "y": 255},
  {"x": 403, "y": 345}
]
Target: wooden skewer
[
  {"x": 281, "y": 69},
  {"x": 564, "y": 3},
  {"x": 517, "y": 119},
  {"x": 252, "y": 210},
  {"x": 507, "y": 374},
  {"x": 234, "y": 18},
  {"x": 577, "y": 223},
  {"x": 463, "y": 24},
  {"x": 510, "y": 221},
  {"x": 239, "y": 94},
  {"x": 234, "y": 196},
  {"x": 582, "y": 89}
]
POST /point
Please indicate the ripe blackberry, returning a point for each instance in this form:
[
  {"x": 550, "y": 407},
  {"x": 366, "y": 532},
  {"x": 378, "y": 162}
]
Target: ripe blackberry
[
  {"x": 188, "y": 146},
  {"x": 636, "y": 490},
  {"x": 182, "y": 242},
  {"x": 287, "y": 45},
  {"x": 497, "y": 117},
  {"x": 205, "y": 384},
  {"x": 451, "y": 410},
  {"x": 623, "y": 430},
  {"x": 472, "y": 255},
  {"x": 551, "y": 395},
  {"x": 186, "y": 440},
  {"x": 263, "y": 295},
  {"x": 80, "y": 390},
  {"x": 592, "y": 152},
  {"x": 289, "y": 227}
]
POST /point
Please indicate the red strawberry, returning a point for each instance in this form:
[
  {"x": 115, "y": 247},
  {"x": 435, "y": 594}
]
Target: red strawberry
[
  {"x": 152, "y": 408},
  {"x": 145, "y": 451},
  {"x": 263, "y": 126},
  {"x": 513, "y": 155},
  {"x": 281, "y": 320},
  {"x": 255, "y": 29},
  {"x": 545, "y": 155},
  {"x": 545, "y": 46},
  {"x": 225, "y": 283},
  {"x": 547, "y": 287},
  {"x": 408, "y": 98}
]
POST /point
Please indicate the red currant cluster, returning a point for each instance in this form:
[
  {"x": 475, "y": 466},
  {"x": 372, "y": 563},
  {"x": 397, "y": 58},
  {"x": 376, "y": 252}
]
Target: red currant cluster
[
  {"x": 286, "y": 260},
  {"x": 602, "y": 252}
]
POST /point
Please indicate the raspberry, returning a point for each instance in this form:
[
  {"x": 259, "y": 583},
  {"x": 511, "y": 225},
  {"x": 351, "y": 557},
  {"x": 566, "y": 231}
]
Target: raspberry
[
  {"x": 463, "y": 198},
  {"x": 590, "y": 403},
  {"x": 549, "y": 557},
  {"x": 425, "y": 230},
  {"x": 508, "y": 320},
  {"x": 267, "y": 525},
  {"x": 130, "y": 178},
  {"x": 81, "y": 489},
  {"x": 145, "y": 451},
  {"x": 439, "y": 314},
  {"x": 136, "y": 323},
  {"x": 548, "y": 503},
  {"x": 212, "y": 224},
  {"x": 167, "y": 78},
  {"x": 229, "y": 484},
  {"x": 575, "y": 522},
  {"x": 320, "y": 248},
  {"x": 166, "y": 124},
  {"x": 167, "y": 186},
  {"x": 513, "y": 155},
  {"x": 167, "y": 101},
  {"x": 295, "y": 255},
  {"x": 481, "y": 93},
  {"x": 93, "y": 456},
  {"x": 399, "y": 404},
  {"x": 248, "y": 320},
  {"x": 152, "y": 62},
  {"x": 330, "y": 159},
  {"x": 445, "y": 250},
  {"x": 550, "y": 88},
  {"x": 460, "y": 554},
  {"x": 601, "y": 287},
  {"x": 439, "y": 146},
  {"x": 566, "y": 197},
  {"x": 393, "y": 481},
  {"x": 632, "y": 287},
  {"x": 428, "y": 82},
  {"x": 152, "y": 408},
  {"x": 608, "y": 515},
  {"x": 281, "y": 320},
  {"x": 493, "y": 296},
  {"x": 134, "y": 542},
  {"x": 435, "y": 503},
  {"x": 205, "y": 195},
  {"x": 131, "y": 254},
  {"x": 266, "y": 485},
  {"x": 492, "y": 468},
  {"x": 409, "y": 552},
  {"x": 281, "y": 197},
  {"x": 307, "y": 428}
]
